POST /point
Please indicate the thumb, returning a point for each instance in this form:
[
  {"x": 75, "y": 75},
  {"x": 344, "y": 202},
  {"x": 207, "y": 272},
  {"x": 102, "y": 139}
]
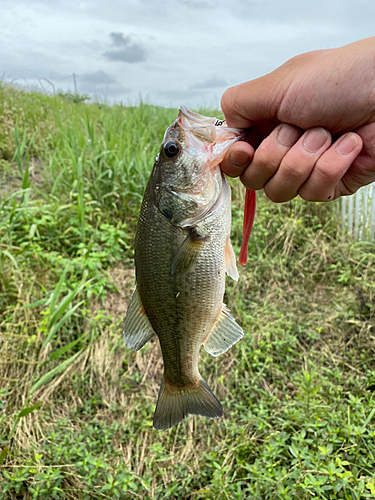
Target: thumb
[{"x": 252, "y": 101}]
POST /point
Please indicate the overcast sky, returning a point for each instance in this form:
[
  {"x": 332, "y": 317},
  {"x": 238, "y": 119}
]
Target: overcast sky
[{"x": 168, "y": 52}]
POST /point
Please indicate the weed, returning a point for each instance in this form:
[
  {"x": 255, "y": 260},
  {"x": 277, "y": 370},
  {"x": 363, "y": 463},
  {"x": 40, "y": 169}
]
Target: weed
[{"x": 76, "y": 406}]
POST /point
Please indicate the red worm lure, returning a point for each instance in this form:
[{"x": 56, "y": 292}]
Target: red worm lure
[{"x": 248, "y": 220}]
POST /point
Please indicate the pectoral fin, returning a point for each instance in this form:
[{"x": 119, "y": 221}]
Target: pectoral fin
[
  {"x": 224, "y": 334},
  {"x": 137, "y": 329},
  {"x": 188, "y": 252},
  {"x": 230, "y": 261}
]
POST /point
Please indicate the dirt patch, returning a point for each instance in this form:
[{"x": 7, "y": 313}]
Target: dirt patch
[
  {"x": 37, "y": 172},
  {"x": 12, "y": 180},
  {"x": 117, "y": 303}
]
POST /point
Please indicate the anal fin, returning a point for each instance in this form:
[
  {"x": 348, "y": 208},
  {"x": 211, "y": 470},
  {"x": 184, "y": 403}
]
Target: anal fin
[
  {"x": 137, "y": 329},
  {"x": 224, "y": 334}
]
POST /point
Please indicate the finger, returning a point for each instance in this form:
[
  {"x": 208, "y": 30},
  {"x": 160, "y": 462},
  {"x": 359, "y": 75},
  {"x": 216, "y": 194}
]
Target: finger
[
  {"x": 297, "y": 165},
  {"x": 237, "y": 159},
  {"x": 362, "y": 171},
  {"x": 269, "y": 155},
  {"x": 248, "y": 102},
  {"x": 240, "y": 154},
  {"x": 330, "y": 168}
]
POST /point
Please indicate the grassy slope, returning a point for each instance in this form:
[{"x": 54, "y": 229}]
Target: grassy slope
[{"x": 297, "y": 390}]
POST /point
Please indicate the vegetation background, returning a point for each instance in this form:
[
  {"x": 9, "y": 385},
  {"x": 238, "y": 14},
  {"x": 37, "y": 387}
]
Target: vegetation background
[{"x": 76, "y": 406}]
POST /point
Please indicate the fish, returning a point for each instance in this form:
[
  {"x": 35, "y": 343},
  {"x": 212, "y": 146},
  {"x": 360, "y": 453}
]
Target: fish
[{"x": 182, "y": 253}]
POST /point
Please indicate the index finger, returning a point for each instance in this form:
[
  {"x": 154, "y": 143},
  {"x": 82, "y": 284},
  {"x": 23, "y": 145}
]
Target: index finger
[{"x": 237, "y": 159}]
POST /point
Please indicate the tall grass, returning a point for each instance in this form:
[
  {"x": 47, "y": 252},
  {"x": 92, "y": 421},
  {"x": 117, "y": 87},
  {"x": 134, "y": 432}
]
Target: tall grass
[{"x": 76, "y": 406}]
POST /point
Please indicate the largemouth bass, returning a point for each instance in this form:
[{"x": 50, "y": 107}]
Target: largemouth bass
[{"x": 182, "y": 252}]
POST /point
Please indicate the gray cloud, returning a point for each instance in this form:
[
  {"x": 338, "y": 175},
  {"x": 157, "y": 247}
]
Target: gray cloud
[
  {"x": 59, "y": 77},
  {"x": 193, "y": 98},
  {"x": 98, "y": 78},
  {"x": 210, "y": 83},
  {"x": 177, "y": 93},
  {"x": 181, "y": 47},
  {"x": 196, "y": 4},
  {"x": 100, "y": 82},
  {"x": 125, "y": 50},
  {"x": 119, "y": 40}
]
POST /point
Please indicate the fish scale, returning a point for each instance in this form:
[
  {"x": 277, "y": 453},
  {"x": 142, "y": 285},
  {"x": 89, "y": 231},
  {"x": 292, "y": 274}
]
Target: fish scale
[
  {"x": 182, "y": 252},
  {"x": 198, "y": 304}
]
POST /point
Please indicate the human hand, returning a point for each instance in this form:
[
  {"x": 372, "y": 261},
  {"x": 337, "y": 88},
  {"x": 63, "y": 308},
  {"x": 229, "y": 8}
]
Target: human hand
[{"x": 313, "y": 125}]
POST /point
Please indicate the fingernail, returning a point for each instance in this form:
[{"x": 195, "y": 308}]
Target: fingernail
[
  {"x": 314, "y": 139},
  {"x": 346, "y": 144},
  {"x": 239, "y": 159},
  {"x": 287, "y": 135}
]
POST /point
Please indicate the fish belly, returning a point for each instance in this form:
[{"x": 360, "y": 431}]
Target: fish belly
[{"x": 181, "y": 307}]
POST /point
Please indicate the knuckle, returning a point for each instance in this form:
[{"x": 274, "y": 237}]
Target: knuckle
[
  {"x": 292, "y": 170},
  {"x": 330, "y": 169},
  {"x": 266, "y": 158},
  {"x": 262, "y": 160}
]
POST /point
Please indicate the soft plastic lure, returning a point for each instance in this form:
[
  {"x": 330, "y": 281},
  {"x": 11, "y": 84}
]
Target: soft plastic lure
[{"x": 248, "y": 220}]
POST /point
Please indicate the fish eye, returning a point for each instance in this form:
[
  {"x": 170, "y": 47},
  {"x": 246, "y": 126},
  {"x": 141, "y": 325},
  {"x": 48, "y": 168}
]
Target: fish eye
[{"x": 171, "y": 148}]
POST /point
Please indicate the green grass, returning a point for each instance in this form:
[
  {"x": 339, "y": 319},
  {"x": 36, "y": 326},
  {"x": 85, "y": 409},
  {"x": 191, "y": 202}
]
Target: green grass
[{"x": 76, "y": 406}]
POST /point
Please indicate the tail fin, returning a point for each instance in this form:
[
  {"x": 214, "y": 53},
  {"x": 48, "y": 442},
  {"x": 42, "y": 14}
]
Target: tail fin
[{"x": 174, "y": 403}]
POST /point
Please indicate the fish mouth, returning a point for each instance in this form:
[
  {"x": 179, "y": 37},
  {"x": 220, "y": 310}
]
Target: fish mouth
[
  {"x": 203, "y": 134},
  {"x": 209, "y": 134},
  {"x": 209, "y": 129}
]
